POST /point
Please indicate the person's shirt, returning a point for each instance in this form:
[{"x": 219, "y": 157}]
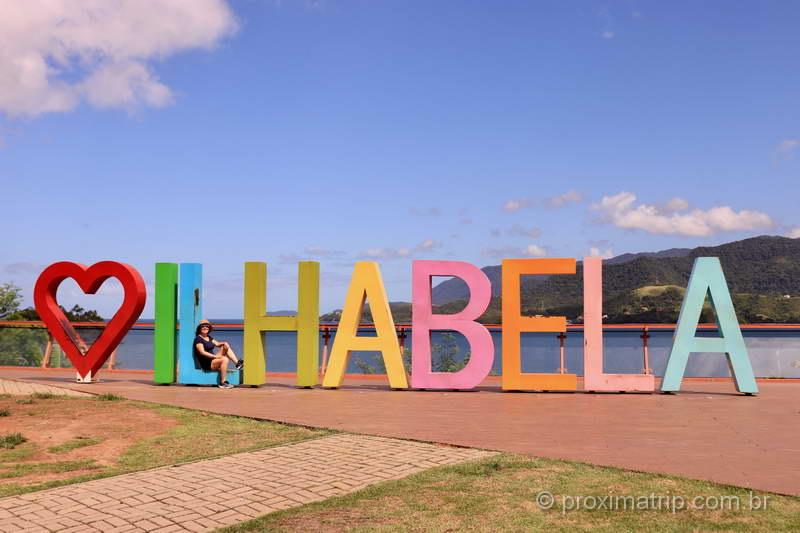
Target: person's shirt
[{"x": 208, "y": 345}]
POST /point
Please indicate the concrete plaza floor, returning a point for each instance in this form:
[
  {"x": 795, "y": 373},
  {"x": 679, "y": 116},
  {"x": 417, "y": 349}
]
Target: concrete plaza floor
[{"x": 707, "y": 431}]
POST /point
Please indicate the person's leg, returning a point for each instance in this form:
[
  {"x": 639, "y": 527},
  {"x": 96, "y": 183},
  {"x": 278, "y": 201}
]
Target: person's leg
[
  {"x": 223, "y": 370},
  {"x": 221, "y": 364},
  {"x": 227, "y": 351}
]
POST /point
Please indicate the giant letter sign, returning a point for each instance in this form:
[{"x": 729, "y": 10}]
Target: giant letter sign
[
  {"x": 707, "y": 278},
  {"x": 166, "y": 310},
  {"x": 187, "y": 305},
  {"x": 306, "y": 323},
  {"x": 89, "y": 279},
  {"x": 190, "y": 312},
  {"x": 366, "y": 284},
  {"x": 594, "y": 379},
  {"x": 514, "y": 324},
  {"x": 423, "y": 321}
]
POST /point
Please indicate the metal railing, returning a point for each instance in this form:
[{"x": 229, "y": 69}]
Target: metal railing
[{"x": 28, "y": 343}]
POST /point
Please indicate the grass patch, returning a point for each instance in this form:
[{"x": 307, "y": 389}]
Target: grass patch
[
  {"x": 74, "y": 444},
  {"x": 26, "y": 401},
  {"x": 43, "y": 395},
  {"x": 108, "y": 397},
  {"x": 499, "y": 494},
  {"x": 190, "y": 436},
  {"x": 11, "y": 440},
  {"x": 5, "y": 412},
  {"x": 200, "y": 435},
  {"x": 26, "y": 469},
  {"x": 19, "y": 453}
]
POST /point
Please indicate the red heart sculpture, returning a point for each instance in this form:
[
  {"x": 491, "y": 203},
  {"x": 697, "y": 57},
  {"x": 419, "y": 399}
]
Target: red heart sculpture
[{"x": 89, "y": 279}]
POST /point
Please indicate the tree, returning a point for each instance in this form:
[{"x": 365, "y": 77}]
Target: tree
[
  {"x": 18, "y": 346},
  {"x": 10, "y": 300},
  {"x": 375, "y": 365},
  {"x": 76, "y": 314},
  {"x": 447, "y": 353},
  {"x": 24, "y": 345}
]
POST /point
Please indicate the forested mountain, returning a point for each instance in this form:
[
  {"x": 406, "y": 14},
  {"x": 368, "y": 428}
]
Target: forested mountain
[
  {"x": 763, "y": 274},
  {"x": 455, "y": 289}
]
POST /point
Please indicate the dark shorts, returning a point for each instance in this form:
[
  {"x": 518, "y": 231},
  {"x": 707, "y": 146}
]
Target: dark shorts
[{"x": 203, "y": 362}]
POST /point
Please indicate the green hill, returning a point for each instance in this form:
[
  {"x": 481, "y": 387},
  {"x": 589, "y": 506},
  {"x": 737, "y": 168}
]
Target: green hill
[{"x": 763, "y": 274}]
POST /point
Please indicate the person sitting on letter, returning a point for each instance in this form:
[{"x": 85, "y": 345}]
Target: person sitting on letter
[{"x": 204, "y": 346}]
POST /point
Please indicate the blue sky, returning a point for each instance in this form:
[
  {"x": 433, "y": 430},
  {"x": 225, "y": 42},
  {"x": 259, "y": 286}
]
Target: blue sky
[{"x": 338, "y": 131}]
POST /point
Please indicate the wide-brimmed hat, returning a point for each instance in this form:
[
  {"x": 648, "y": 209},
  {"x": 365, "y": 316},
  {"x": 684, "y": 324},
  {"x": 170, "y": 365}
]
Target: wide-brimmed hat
[{"x": 203, "y": 323}]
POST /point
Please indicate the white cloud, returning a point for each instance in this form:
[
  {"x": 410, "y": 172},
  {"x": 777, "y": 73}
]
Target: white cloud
[
  {"x": 426, "y": 246},
  {"x": 54, "y": 54},
  {"x": 622, "y": 211},
  {"x": 607, "y": 23},
  {"x": 319, "y": 251},
  {"x": 519, "y": 231},
  {"x": 787, "y": 148},
  {"x": 570, "y": 197},
  {"x": 506, "y": 251},
  {"x": 385, "y": 253},
  {"x": 608, "y": 253},
  {"x": 24, "y": 267},
  {"x": 531, "y": 250},
  {"x": 515, "y": 205},
  {"x": 793, "y": 233},
  {"x": 309, "y": 252},
  {"x": 289, "y": 259},
  {"x": 674, "y": 205}
]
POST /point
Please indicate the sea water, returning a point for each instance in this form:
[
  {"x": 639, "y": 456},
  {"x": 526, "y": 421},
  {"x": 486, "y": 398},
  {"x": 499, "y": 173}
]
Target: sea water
[{"x": 773, "y": 352}]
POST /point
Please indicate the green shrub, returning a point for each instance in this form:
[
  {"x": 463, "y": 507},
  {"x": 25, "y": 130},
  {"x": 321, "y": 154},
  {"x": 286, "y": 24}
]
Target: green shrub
[
  {"x": 78, "y": 442},
  {"x": 108, "y": 397},
  {"x": 11, "y": 440}
]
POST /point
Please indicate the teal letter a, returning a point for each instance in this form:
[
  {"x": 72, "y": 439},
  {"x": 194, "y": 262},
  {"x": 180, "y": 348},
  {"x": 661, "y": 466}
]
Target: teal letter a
[{"x": 707, "y": 278}]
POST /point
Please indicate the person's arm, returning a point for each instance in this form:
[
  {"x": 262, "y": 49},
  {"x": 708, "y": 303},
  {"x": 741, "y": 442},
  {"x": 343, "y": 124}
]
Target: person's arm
[
  {"x": 218, "y": 343},
  {"x": 202, "y": 351}
]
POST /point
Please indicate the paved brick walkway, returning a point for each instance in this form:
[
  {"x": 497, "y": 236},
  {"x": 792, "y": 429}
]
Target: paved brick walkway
[
  {"x": 707, "y": 431},
  {"x": 209, "y": 494},
  {"x": 21, "y": 388}
]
